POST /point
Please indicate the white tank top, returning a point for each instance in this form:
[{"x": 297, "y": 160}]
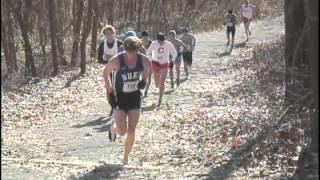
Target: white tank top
[
  {"x": 247, "y": 11},
  {"x": 160, "y": 53},
  {"x": 110, "y": 51}
]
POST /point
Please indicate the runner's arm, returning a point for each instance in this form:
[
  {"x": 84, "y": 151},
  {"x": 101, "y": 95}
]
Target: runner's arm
[
  {"x": 112, "y": 65},
  {"x": 240, "y": 15},
  {"x": 100, "y": 52},
  {"x": 173, "y": 51},
  {"x": 235, "y": 19},
  {"x": 149, "y": 51},
  {"x": 146, "y": 68},
  {"x": 225, "y": 19},
  {"x": 194, "y": 42},
  {"x": 182, "y": 44},
  {"x": 253, "y": 6}
]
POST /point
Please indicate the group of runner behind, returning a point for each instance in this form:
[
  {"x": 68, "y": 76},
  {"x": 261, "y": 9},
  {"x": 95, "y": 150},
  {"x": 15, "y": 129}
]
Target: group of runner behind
[{"x": 130, "y": 64}]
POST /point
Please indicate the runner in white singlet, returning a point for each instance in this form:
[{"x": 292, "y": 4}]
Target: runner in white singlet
[
  {"x": 247, "y": 14},
  {"x": 159, "y": 51}
]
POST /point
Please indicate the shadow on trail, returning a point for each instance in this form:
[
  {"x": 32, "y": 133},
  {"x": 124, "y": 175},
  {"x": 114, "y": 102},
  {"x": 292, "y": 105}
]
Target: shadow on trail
[
  {"x": 100, "y": 121},
  {"x": 240, "y": 45},
  {"x": 148, "y": 108},
  {"x": 103, "y": 128},
  {"x": 75, "y": 77},
  {"x": 226, "y": 53},
  {"x": 239, "y": 157},
  {"x": 106, "y": 171}
]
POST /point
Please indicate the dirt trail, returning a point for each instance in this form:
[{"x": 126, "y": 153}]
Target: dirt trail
[{"x": 77, "y": 147}]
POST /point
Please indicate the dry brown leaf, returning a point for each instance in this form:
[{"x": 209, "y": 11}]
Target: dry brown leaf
[
  {"x": 236, "y": 142},
  {"x": 224, "y": 137}
]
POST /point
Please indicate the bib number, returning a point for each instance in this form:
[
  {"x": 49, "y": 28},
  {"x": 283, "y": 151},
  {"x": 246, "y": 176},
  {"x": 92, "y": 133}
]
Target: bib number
[
  {"x": 230, "y": 24},
  {"x": 160, "y": 58},
  {"x": 130, "y": 87}
]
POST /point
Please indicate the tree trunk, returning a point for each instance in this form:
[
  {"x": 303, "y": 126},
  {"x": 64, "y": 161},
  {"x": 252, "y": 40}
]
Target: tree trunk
[
  {"x": 4, "y": 44},
  {"x": 59, "y": 31},
  {"x": 314, "y": 57},
  {"x": 23, "y": 19},
  {"x": 7, "y": 38},
  {"x": 52, "y": 26},
  {"x": 139, "y": 15},
  {"x": 85, "y": 33},
  {"x": 308, "y": 160},
  {"x": 43, "y": 31},
  {"x": 111, "y": 12},
  {"x": 94, "y": 30},
  {"x": 102, "y": 11},
  {"x": 150, "y": 19},
  {"x": 294, "y": 22},
  {"x": 76, "y": 33}
]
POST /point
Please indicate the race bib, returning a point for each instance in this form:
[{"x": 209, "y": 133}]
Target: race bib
[
  {"x": 229, "y": 24},
  {"x": 160, "y": 54},
  {"x": 130, "y": 87},
  {"x": 160, "y": 58}
]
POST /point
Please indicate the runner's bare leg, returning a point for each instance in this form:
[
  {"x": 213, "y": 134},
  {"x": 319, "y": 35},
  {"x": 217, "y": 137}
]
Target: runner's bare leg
[
  {"x": 163, "y": 76},
  {"x": 133, "y": 117}
]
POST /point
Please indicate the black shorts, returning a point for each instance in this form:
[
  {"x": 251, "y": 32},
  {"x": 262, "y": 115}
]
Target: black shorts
[
  {"x": 129, "y": 101},
  {"x": 232, "y": 30},
  {"x": 187, "y": 57}
]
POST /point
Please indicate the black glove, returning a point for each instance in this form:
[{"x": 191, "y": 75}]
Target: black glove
[
  {"x": 142, "y": 84},
  {"x": 112, "y": 100}
]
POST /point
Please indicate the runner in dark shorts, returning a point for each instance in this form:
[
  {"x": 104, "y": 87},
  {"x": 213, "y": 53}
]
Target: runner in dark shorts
[
  {"x": 187, "y": 58},
  {"x": 190, "y": 41},
  {"x": 129, "y": 71},
  {"x": 230, "y": 21},
  {"x": 146, "y": 42}
]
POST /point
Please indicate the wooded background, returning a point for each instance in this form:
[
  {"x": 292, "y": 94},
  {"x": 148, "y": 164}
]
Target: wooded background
[{"x": 38, "y": 36}]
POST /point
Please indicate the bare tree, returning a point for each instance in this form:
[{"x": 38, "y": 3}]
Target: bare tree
[
  {"x": 87, "y": 23},
  {"x": 79, "y": 4},
  {"x": 94, "y": 29},
  {"x": 59, "y": 31},
  {"x": 42, "y": 26},
  {"x": 140, "y": 4},
  {"x": 110, "y": 5},
  {"x": 22, "y": 14},
  {"x": 301, "y": 53},
  {"x": 7, "y": 38},
  {"x": 52, "y": 24}
]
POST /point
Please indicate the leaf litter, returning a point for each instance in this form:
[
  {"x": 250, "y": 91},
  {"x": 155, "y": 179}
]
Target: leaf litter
[{"x": 201, "y": 130}]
